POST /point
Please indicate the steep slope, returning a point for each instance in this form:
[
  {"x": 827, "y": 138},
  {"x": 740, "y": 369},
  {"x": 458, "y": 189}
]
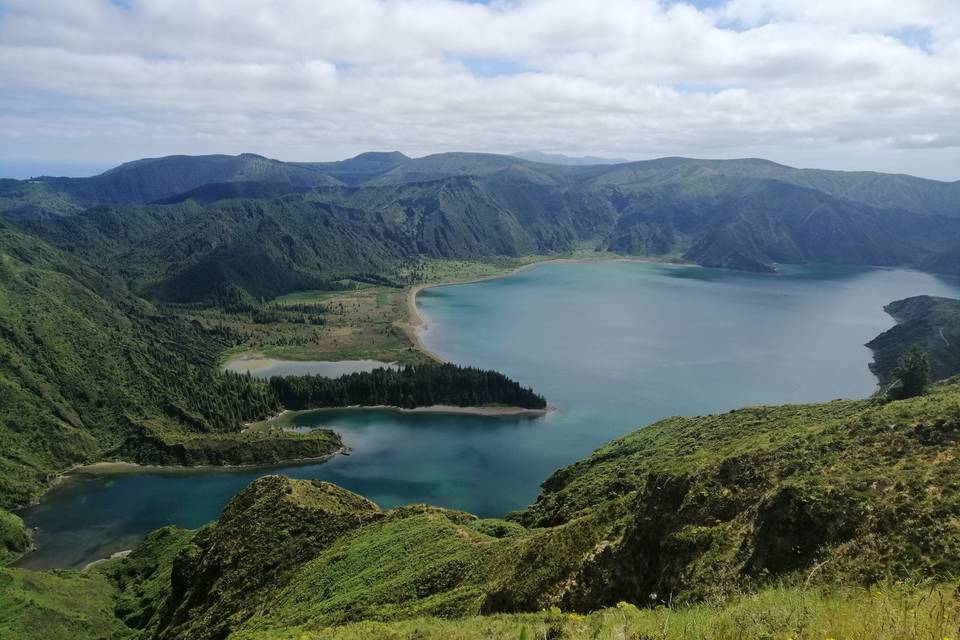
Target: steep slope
[
  {"x": 58, "y": 606},
  {"x": 87, "y": 370},
  {"x": 14, "y": 537},
  {"x": 859, "y": 490},
  {"x": 683, "y": 510},
  {"x": 946, "y": 261},
  {"x": 745, "y": 215},
  {"x": 263, "y": 248},
  {"x": 928, "y": 321},
  {"x": 266, "y": 228},
  {"x": 286, "y": 552},
  {"x": 475, "y": 216}
]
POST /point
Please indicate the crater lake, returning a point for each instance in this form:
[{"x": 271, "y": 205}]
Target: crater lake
[{"x": 612, "y": 345}]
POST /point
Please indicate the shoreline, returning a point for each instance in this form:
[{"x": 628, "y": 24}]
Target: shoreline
[
  {"x": 113, "y": 556},
  {"x": 411, "y": 327},
  {"x": 440, "y": 409},
  {"x": 105, "y": 467}
]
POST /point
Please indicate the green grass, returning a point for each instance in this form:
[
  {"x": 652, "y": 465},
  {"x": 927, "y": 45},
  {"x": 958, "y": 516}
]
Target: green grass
[
  {"x": 57, "y": 605},
  {"x": 146, "y": 574},
  {"x": 365, "y": 323},
  {"x": 14, "y": 537},
  {"x": 772, "y": 522},
  {"x": 688, "y": 514},
  {"x": 725, "y": 502},
  {"x": 887, "y": 612}
]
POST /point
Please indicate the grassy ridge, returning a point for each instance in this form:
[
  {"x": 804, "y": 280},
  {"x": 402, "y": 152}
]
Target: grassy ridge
[
  {"x": 287, "y": 552},
  {"x": 886, "y": 612},
  {"x": 858, "y": 489},
  {"x": 692, "y": 514},
  {"x": 58, "y": 605},
  {"x": 255, "y": 239}
]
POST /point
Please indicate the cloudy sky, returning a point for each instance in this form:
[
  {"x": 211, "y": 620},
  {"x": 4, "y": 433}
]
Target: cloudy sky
[{"x": 845, "y": 84}]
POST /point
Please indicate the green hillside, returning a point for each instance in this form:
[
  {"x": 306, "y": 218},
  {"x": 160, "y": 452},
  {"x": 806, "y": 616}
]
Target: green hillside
[
  {"x": 257, "y": 248},
  {"x": 265, "y": 228},
  {"x": 155, "y": 178},
  {"x": 932, "y": 323},
  {"x": 90, "y": 372},
  {"x": 814, "y": 503},
  {"x": 805, "y": 521},
  {"x": 87, "y": 372}
]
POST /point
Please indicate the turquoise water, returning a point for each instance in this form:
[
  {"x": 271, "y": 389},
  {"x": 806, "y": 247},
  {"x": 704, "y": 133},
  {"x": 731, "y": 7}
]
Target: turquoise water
[{"x": 613, "y": 346}]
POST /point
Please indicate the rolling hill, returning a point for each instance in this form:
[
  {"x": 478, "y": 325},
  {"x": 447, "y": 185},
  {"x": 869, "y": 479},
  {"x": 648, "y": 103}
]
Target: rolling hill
[{"x": 787, "y": 501}]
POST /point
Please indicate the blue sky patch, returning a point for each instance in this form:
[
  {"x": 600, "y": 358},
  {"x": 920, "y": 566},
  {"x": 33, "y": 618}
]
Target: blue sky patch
[
  {"x": 493, "y": 67},
  {"x": 916, "y": 37}
]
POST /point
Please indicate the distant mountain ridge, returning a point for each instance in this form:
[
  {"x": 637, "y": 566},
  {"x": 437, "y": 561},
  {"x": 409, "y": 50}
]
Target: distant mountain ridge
[
  {"x": 559, "y": 158},
  {"x": 308, "y": 222}
]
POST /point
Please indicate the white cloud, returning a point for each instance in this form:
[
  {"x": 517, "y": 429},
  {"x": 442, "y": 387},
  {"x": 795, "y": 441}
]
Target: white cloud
[{"x": 838, "y": 83}]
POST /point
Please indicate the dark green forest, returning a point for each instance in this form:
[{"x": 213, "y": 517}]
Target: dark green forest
[
  {"x": 83, "y": 364},
  {"x": 408, "y": 387}
]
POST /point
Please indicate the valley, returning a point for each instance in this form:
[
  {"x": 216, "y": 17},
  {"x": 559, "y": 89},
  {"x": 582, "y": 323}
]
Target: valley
[
  {"x": 796, "y": 336},
  {"x": 479, "y": 320},
  {"x": 597, "y": 286}
]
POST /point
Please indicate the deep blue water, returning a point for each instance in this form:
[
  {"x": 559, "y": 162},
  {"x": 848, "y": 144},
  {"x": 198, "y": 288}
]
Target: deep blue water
[{"x": 613, "y": 346}]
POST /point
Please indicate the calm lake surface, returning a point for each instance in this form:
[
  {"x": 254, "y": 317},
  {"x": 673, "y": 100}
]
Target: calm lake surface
[{"x": 613, "y": 346}]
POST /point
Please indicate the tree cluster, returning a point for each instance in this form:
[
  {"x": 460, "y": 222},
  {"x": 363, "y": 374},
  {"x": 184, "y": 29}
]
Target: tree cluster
[{"x": 408, "y": 387}]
